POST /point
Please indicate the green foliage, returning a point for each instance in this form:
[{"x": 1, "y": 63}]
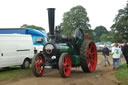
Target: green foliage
[
  {"x": 99, "y": 30},
  {"x": 110, "y": 36},
  {"x": 91, "y": 34},
  {"x": 32, "y": 26},
  {"x": 122, "y": 74},
  {"x": 103, "y": 38},
  {"x": 107, "y": 37},
  {"x": 75, "y": 18},
  {"x": 120, "y": 26}
]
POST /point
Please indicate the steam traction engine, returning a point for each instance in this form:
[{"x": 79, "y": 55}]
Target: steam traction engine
[{"x": 63, "y": 53}]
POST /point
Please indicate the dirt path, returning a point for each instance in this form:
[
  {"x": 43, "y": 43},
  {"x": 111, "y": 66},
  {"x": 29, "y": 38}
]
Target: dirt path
[{"x": 102, "y": 76}]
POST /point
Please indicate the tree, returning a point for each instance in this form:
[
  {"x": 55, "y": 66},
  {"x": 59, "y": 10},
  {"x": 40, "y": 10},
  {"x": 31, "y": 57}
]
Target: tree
[
  {"x": 75, "y": 18},
  {"x": 120, "y": 26},
  {"x": 106, "y": 37},
  {"x": 110, "y": 36},
  {"x": 103, "y": 38},
  {"x": 32, "y": 26},
  {"x": 99, "y": 30},
  {"x": 91, "y": 34}
]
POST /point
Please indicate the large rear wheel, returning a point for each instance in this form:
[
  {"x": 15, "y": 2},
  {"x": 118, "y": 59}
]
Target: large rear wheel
[
  {"x": 65, "y": 65},
  {"x": 88, "y": 56},
  {"x": 38, "y": 65}
]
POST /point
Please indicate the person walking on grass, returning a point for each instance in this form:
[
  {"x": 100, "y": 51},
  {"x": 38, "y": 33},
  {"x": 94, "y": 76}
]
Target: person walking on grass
[
  {"x": 116, "y": 52},
  {"x": 125, "y": 51},
  {"x": 105, "y": 53}
]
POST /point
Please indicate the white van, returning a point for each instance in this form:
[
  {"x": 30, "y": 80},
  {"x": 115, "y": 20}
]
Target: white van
[{"x": 16, "y": 49}]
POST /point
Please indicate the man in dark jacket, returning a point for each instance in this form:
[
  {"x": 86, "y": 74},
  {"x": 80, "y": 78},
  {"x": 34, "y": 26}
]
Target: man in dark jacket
[
  {"x": 105, "y": 53},
  {"x": 125, "y": 52}
]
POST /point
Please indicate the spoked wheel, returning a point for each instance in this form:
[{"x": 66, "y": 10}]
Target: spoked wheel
[
  {"x": 88, "y": 56},
  {"x": 65, "y": 65},
  {"x": 38, "y": 65}
]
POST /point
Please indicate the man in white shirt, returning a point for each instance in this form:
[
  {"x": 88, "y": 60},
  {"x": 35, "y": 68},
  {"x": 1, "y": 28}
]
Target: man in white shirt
[{"x": 116, "y": 51}]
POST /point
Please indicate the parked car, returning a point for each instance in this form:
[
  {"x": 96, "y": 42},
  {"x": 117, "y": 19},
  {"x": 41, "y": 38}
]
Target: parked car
[
  {"x": 110, "y": 48},
  {"x": 16, "y": 49},
  {"x": 99, "y": 48}
]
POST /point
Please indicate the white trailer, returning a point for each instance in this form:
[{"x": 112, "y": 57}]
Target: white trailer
[{"x": 16, "y": 49}]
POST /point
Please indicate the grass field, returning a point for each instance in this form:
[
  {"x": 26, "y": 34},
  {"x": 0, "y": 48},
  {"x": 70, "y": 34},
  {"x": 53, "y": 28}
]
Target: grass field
[
  {"x": 122, "y": 74},
  {"x": 99, "y": 53},
  {"x": 14, "y": 73}
]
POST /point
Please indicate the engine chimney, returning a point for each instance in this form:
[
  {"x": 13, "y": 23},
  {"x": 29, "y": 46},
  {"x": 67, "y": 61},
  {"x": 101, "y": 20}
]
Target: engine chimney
[{"x": 51, "y": 16}]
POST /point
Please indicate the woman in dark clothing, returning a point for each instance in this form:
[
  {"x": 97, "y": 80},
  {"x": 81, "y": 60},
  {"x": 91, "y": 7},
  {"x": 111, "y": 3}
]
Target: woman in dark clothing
[
  {"x": 105, "y": 53},
  {"x": 125, "y": 52}
]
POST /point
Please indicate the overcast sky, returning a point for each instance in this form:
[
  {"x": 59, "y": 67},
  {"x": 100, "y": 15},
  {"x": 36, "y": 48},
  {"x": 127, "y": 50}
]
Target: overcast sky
[{"x": 14, "y": 13}]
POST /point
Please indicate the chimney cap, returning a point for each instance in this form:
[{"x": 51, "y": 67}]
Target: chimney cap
[{"x": 50, "y": 8}]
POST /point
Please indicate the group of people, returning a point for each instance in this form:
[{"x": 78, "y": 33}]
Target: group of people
[{"x": 117, "y": 52}]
